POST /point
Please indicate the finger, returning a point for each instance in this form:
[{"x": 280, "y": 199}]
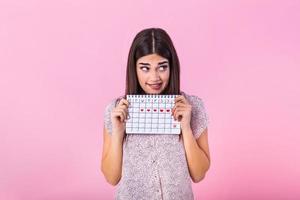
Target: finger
[
  {"x": 124, "y": 112},
  {"x": 178, "y": 114},
  {"x": 179, "y": 105},
  {"x": 180, "y": 98},
  {"x": 121, "y": 114},
  {"x": 123, "y": 106},
  {"x": 118, "y": 115},
  {"x": 181, "y": 102},
  {"x": 177, "y": 110},
  {"x": 124, "y": 102}
]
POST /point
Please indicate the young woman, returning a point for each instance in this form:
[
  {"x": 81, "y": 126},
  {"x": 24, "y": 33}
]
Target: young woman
[{"x": 155, "y": 166}]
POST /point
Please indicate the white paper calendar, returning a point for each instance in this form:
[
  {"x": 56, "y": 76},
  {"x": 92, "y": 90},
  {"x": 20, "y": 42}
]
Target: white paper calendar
[{"x": 151, "y": 114}]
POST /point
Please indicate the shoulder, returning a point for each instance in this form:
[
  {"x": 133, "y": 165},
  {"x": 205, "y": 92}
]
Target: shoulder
[
  {"x": 194, "y": 100},
  {"x": 107, "y": 112},
  {"x": 199, "y": 118},
  {"x": 113, "y": 102}
]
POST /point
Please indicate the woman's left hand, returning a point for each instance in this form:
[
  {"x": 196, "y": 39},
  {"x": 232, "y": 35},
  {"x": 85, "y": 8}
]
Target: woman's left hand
[{"x": 182, "y": 112}]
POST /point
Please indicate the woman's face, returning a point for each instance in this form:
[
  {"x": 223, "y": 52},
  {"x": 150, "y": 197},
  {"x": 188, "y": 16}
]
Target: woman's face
[{"x": 153, "y": 72}]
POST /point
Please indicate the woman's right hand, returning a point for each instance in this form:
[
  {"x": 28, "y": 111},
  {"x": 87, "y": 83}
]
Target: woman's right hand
[{"x": 118, "y": 116}]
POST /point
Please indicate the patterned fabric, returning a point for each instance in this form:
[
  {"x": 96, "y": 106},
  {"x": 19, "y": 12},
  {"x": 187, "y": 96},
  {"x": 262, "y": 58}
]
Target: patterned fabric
[{"x": 155, "y": 166}]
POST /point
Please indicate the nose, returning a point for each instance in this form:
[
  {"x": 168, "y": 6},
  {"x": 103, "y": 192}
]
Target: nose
[{"x": 154, "y": 76}]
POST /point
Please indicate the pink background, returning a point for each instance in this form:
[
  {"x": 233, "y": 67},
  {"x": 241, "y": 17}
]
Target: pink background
[{"x": 62, "y": 61}]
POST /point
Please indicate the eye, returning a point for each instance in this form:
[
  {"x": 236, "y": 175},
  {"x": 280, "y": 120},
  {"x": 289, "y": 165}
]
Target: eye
[
  {"x": 143, "y": 68},
  {"x": 163, "y": 67}
]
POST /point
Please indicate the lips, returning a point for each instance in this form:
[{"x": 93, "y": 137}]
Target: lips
[{"x": 155, "y": 86}]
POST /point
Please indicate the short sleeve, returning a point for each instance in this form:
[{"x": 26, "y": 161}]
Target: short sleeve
[
  {"x": 199, "y": 119},
  {"x": 107, "y": 112}
]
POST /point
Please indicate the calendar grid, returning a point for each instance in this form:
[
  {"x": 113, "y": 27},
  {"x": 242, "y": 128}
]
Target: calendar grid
[{"x": 151, "y": 114}]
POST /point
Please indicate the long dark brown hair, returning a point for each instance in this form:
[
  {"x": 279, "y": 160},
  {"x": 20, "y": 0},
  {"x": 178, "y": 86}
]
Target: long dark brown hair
[{"x": 149, "y": 41}]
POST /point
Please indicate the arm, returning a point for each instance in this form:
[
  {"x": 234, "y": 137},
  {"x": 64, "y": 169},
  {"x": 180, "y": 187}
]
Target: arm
[
  {"x": 197, "y": 153},
  {"x": 111, "y": 164},
  {"x": 112, "y": 154}
]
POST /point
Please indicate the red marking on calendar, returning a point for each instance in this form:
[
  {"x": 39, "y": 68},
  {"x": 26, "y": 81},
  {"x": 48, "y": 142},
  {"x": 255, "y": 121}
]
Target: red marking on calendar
[{"x": 153, "y": 107}]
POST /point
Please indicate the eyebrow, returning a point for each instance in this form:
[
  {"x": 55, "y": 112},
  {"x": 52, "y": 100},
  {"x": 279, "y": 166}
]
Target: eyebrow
[{"x": 160, "y": 63}]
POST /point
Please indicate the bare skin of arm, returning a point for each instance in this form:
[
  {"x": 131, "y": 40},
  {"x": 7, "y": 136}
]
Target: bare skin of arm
[
  {"x": 197, "y": 153},
  {"x": 111, "y": 164},
  {"x": 112, "y": 154},
  {"x": 196, "y": 150}
]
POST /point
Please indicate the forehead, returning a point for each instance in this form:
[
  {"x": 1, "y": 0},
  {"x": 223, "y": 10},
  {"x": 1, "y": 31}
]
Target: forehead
[{"x": 151, "y": 58}]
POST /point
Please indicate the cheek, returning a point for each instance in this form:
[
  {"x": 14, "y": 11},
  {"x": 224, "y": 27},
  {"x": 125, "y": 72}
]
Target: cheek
[
  {"x": 141, "y": 77},
  {"x": 166, "y": 76}
]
